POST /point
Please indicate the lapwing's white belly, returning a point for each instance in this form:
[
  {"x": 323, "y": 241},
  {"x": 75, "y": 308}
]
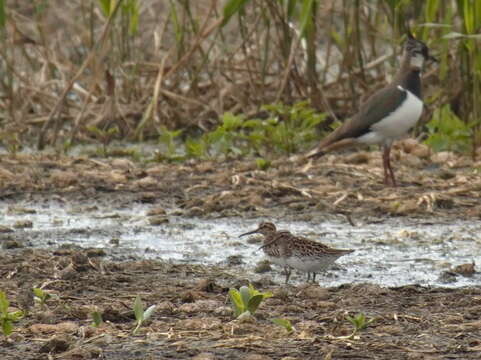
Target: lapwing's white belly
[{"x": 397, "y": 123}]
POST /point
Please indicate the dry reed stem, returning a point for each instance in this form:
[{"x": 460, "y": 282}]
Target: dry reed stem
[{"x": 86, "y": 63}]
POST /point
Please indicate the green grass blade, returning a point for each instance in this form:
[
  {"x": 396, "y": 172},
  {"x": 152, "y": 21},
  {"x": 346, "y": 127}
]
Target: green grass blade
[
  {"x": 305, "y": 18},
  {"x": 231, "y": 8},
  {"x": 2, "y": 14}
]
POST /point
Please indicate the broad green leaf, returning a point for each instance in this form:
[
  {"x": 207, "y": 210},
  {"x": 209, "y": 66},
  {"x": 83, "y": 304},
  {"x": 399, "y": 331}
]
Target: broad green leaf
[
  {"x": 254, "y": 303},
  {"x": 38, "y": 293},
  {"x": 148, "y": 313},
  {"x": 236, "y": 301},
  {"x": 245, "y": 295},
  {"x": 138, "y": 309}
]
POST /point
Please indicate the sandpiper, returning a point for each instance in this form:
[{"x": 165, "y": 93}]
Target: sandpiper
[
  {"x": 388, "y": 114},
  {"x": 290, "y": 251}
]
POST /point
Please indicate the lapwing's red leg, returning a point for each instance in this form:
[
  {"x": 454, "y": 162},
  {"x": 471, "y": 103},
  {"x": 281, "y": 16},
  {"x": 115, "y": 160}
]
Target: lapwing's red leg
[{"x": 389, "y": 178}]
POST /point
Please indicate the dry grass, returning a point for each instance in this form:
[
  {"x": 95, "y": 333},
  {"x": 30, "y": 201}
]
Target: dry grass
[{"x": 67, "y": 70}]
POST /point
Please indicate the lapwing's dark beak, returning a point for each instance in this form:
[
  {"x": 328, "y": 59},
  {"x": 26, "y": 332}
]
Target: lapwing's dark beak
[{"x": 249, "y": 233}]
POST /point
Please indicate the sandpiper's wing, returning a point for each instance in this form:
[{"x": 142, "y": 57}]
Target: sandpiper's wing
[
  {"x": 302, "y": 244},
  {"x": 276, "y": 237}
]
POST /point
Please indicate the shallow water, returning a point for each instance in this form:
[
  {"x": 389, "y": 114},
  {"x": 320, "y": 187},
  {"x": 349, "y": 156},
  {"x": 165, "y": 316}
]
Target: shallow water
[{"x": 394, "y": 252}]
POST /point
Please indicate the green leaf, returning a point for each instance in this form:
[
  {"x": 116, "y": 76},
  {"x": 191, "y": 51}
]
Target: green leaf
[
  {"x": 263, "y": 164},
  {"x": 16, "y": 315},
  {"x": 38, "y": 293},
  {"x": 291, "y": 7},
  {"x": 138, "y": 309},
  {"x": 245, "y": 295},
  {"x": 105, "y": 6},
  {"x": 254, "y": 303},
  {"x": 232, "y": 7},
  {"x": 7, "y": 327},
  {"x": 2, "y": 14},
  {"x": 97, "y": 318},
  {"x": 148, "y": 313},
  {"x": 236, "y": 301},
  {"x": 285, "y": 323},
  {"x": 305, "y": 18},
  {"x": 453, "y": 35},
  {"x": 4, "y": 304}
]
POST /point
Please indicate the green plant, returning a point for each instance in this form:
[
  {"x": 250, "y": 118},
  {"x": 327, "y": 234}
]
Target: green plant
[
  {"x": 285, "y": 323},
  {"x": 7, "y": 318},
  {"x": 11, "y": 141},
  {"x": 140, "y": 314},
  {"x": 226, "y": 138},
  {"x": 448, "y": 132},
  {"x": 168, "y": 139},
  {"x": 359, "y": 322},
  {"x": 104, "y": 136},
  {"x": 246, "y": 299},
  {"x": 263, "y": 164},
  {"x": 129, "y": 12},
  {"x": 96, "y": 318},
  {"x": 287, "y": 130},
  {"x": 42, "y": 296}
]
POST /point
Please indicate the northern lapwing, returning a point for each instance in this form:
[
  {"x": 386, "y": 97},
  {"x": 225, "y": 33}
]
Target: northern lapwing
[{"x": 386, "y": 115}]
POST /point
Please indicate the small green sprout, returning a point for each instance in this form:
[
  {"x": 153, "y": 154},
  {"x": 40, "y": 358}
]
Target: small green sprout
[
  {"x": 263, "y": 164},
  {"x": 246, "y": 299},
  {"x": 285, "y": 323},
  {"x": 140, "y": 314},
  {"x": 7, "y": 318},
  {"x": 41, "y": 296},
  {"x": 359, "y": 322},
  {"x": 97, "y": 318}
]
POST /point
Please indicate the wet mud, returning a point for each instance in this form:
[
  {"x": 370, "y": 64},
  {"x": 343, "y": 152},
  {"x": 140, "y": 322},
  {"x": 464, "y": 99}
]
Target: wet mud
[{"x": 193, "y": 318}]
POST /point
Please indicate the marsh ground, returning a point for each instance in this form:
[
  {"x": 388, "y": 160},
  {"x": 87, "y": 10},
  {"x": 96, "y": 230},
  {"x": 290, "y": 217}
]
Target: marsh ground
[{"x": 193, "y": 319}]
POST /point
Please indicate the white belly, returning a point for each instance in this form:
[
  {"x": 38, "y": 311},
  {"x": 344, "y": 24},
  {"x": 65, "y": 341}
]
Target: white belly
[
  {"x": 277, "y": 260},
  {"x": 314, "y": 264},
  {"x": 395, "y": 124}
]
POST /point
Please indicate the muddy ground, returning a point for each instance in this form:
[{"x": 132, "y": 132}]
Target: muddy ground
[{"x": 193, "y": 317}]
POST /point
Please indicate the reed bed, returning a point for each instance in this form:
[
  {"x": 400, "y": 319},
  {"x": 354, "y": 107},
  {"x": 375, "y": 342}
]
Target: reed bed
[{"x": 78, "y": 71}]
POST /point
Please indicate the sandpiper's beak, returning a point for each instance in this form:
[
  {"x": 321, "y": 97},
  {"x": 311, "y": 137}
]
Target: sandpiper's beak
[
  {"x": 433, "y": 59},
  {"x": 249, "y": 233}
]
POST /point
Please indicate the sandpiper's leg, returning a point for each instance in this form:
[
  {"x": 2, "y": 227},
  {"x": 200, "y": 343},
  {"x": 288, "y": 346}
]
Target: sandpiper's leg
[
  {"x": 308, "y": 276},
  {"x": 287, "y": 270},
  {"x": 314, "y": 277}
]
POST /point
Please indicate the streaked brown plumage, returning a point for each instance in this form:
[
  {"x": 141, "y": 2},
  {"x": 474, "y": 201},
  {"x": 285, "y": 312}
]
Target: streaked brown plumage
[{"x": 290, "y": 251}]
